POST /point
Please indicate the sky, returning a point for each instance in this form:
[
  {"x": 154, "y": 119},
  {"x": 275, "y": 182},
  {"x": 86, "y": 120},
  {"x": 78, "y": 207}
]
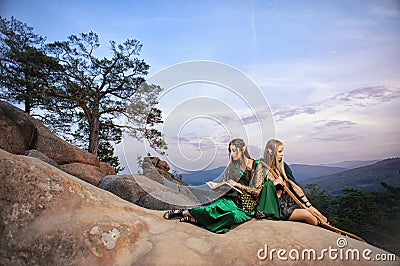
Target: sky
[{"x": 322, "y": 76}]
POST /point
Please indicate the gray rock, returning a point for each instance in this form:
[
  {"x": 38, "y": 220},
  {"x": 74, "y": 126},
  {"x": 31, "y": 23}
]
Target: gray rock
[
  {"x": 41, "y": 156},
  {"x": 147, "y": 193},
  {"x": 124, "y": 186}
]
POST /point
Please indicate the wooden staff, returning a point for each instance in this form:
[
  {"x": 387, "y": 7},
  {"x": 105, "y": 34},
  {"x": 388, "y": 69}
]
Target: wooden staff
[{"x": 302, "y": 205}]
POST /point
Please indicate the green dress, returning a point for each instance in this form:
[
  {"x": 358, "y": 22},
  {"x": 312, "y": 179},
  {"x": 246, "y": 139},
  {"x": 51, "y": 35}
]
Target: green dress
[
  {"x": 219, "y": 216},
  {"x": 268, "y": 203}
]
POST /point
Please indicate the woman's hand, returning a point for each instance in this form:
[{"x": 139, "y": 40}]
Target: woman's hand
[
  {"x": 279, "y": 181},
  {"x": 314, "y": 210}
]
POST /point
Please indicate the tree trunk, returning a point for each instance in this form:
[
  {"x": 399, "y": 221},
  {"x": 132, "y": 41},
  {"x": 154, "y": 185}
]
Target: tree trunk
[
  {"x": 27, "y": 102},
  {"x": 94, "y": 134},
  {"x": 27, "y": 107}
]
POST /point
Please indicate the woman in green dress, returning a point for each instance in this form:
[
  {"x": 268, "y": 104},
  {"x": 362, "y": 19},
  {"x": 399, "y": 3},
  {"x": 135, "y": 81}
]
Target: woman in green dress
[
  {"x": 232, "y": 207},
  {"x": 275, "y": 203}
]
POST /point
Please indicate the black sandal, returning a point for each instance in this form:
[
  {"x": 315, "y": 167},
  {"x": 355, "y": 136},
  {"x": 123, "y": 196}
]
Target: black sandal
[
  {"x": 260, "y": 215},
  {"x": 189, "y": 219},
  {"x": 173, "y": 214}
]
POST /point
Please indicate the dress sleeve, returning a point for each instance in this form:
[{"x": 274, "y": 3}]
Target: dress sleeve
[
  {"x": 225, "y": 176},
  {"x": 256, "y": 183}
]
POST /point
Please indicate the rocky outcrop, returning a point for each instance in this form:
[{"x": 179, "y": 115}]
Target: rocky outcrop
[
  {"x": 156, "y": 169},
  {"x": 49, "y": 217},
  {"x": 41, "y": 156},
  {"x": 124, "y": 186},
  {"x": 22, "y": 132},
  {"x": 106, "y": 168},
  {"x": 147, "y": 193},
  {"x": 19, "y": 132},
  {"x": 59, "y": 150},
  {"x": 89, "y": 173},
  {"x": 157, "y": 189}
]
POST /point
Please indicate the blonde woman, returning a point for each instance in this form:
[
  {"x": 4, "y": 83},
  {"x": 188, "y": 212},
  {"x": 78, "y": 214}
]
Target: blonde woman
[{"x": 275, "y": 202}]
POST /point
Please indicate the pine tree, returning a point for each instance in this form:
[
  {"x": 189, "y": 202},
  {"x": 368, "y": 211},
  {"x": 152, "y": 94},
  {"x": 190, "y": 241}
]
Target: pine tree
[
  {"x": 99, "y": 91},
  {"x": 26, "y": 71}
]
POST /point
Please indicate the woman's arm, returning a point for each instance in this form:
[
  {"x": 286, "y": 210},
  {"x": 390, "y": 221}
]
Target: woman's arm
[
  {"x": 300, "y": 195},
  {"x": 257, "y": 182}
]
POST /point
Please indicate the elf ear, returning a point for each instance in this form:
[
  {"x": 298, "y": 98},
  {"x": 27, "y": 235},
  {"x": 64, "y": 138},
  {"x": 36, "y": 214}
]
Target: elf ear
[{"x": 270, "y": 151}]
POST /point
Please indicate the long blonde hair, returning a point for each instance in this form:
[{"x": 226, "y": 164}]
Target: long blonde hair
[{"x": 271, "y": 149}]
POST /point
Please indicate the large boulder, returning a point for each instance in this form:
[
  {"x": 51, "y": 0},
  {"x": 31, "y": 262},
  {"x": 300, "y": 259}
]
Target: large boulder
[
  {"x": 49, "y": 217},
  {"x": 59, "y": 150},
  {"x": 147, "y": 193},
  {"x": 89, "y": 173},
  {"x": 165, "y": 192},
  {"x": 17, "y": 131},
  {"x": 41, "y": 156},
  {"x": 124, "y": 186},
  {"x": 20, "y": 132},
  {"x": 106, "y": 168}
]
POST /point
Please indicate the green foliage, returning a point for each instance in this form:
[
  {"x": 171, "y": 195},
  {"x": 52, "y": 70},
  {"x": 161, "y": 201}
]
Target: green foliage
[
  {"x": 26, "y": 71},
  {"x": 373, "y": 216},
  {"x": 316, "y": 195},
  {"x": 359, "y": 210},
  {"x": 319, "y": 199}
]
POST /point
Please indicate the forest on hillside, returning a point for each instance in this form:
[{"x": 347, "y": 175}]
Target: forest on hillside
[{"x": 374, "y": 216}]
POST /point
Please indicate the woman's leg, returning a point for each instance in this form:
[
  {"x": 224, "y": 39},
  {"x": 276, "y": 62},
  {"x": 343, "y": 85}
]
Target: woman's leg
[
  {"x": 186, "y": 213},
  {"x": 303, "y": 215},
  {"x": 188, "y": 217}
]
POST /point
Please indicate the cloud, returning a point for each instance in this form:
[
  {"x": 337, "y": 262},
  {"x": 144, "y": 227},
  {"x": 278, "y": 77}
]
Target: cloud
[
  {"x": 333, "y": 125},
  {"x": 386, "y": 9},
  {"x": 366, "y": 96},
  {"x": 334, "y": 130},
  {"x": 360, "y": 97},
  {"x": 286, "y": 112},
  {"x": 336, "y": 137},
  {"x": 249, "y": 120}
]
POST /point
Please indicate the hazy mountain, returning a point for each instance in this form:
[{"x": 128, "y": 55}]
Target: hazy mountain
[
  {"x": 350, "y": 164},
  {"x": 200, "y": 177},
  {"x": 300, "y": 171},
  {"x": 303, "y": 171},
  {"x": 366, "y": 178},
  {"x": 331, "y": 179}
]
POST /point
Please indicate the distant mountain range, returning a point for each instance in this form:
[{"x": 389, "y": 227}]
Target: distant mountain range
[
  {"x": 333, "y": 178},
  {"x": 303, "y": 172},
  {"x": 350, "y": 164},
  {"x": 366, "y": 178},
  {"x": 201, "y": 177}
]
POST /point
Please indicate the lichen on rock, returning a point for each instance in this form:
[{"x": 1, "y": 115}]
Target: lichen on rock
[{"x": 110, "y": 238}]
